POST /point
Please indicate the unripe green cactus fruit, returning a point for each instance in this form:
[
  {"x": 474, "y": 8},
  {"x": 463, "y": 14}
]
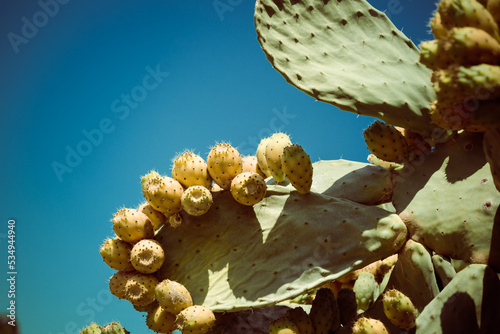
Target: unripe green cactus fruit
[
  {"x": 224, "y": 163},
  {"x": 140, "y": 289},
  {"x": 116, "y": 254},
  {"x": 399, "y": 309},
  {"x": 366, "y": 290},
  {"x": 131, "y": 225},
  {"x": 160, "y": 320},
  {"x": 196, "y": 319},
  {"x": 248, "y": 188},
  {"x": 274, "y": 151},
  {"x": 283, "y": 325},
  {"x": 156, "y": 217},
  {"x": 91, "y": 329},
  {"x": 386, "y": 142},
  {"x": 298, "y": 169},
  {"x": 117, "y": 283},
  {"x": 164, "y": 194},
  {"x": 191, "y": 170},
  {"x": 147, "y": 256},
  {"x": 173, "y": 296},
  {"x": 369, "y": 326},
  {"x": 196, "y": 200},
  {"x": 300, "y": 318}
]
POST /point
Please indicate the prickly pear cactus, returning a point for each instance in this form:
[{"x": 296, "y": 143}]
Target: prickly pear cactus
[
  {"x": 349, "y": 54},
  {"x": 449, "y": 200},
  {"x": 248, "y": 263},
  {"x": 470, "y": 303}
]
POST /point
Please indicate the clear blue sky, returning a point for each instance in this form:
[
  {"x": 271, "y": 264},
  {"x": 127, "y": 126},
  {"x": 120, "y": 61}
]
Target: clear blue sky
[{"x": 193, "y": 76}]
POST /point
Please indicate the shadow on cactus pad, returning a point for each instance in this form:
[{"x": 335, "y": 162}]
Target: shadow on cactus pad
[
  {"x": 448, "y": 199},
  {"x": 236, "y": 257}
]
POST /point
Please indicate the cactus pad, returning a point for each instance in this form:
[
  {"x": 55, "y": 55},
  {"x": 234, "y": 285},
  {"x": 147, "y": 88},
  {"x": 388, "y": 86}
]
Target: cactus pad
[
  {"x": 349, "y": 54},
  {"x": 236, "y": 257},
  {"x": 449, "y": 201}
]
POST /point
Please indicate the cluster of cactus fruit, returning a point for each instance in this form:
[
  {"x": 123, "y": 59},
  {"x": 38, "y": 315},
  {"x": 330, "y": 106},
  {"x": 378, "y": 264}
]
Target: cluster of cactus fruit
[
  {"x": 111, "y": 328},
  {"x": 401, "y": 244},
  {"x": 137, "y": 256}
]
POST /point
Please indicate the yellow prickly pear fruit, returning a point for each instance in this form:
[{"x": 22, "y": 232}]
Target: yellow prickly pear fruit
[
  {"x": 274, "y": 151},
  {"x": 300, "y": 318},
  {"x": 283, "y": 325},
  {"x": 224, "y": 163},
  {"x": 298, "y": 169},
  {"x": 117, "y": 283},
  {"x": 140, "y": 289},
  {"x": 116, "y": 254},
  {"x": 173, "y": 296},
  {"x": 250, "y": 164},
  {"x": 147, "y": 256},
  {"x": 248, "y": 188},
  {"x": 196, "y": 319},
  {"x": 470, "y": 46},
  {"x": 467, "y": 13},
  {"x": 369, "y": 326},
  {"x": 399, "y": 309},
  {"x": 191, "y": 170},
  {"x": 437, "y": 28},
  {"x": 156, "y": 217},
  {"x": 431, "y": 56},
  {"x": 386, "y": 142},
  {"x": 164, "y": 194},
  {"x": 261, "y": 157},
  {"x": 160, "y": 320},
  {"x": 146, "y": 178},
  {"x": 131, "y": 225},
  {"x": 196, "y": 200}
]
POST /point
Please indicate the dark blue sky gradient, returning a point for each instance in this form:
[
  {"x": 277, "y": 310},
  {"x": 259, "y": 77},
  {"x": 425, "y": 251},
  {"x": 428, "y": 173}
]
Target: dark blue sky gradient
[{"x": 193, "y": 77}]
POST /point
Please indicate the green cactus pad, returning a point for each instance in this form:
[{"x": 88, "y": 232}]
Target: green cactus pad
[
  {"x": 448, "y": 200},
  {"x": 236, "y": 257},
  {"x": 470, "y": 303},
  {"x": 349, "y": 54},
  {"x": 356, "y": 181}
]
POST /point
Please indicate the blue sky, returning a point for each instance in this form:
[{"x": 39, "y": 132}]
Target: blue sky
[{"x": 102, "y": 92}]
